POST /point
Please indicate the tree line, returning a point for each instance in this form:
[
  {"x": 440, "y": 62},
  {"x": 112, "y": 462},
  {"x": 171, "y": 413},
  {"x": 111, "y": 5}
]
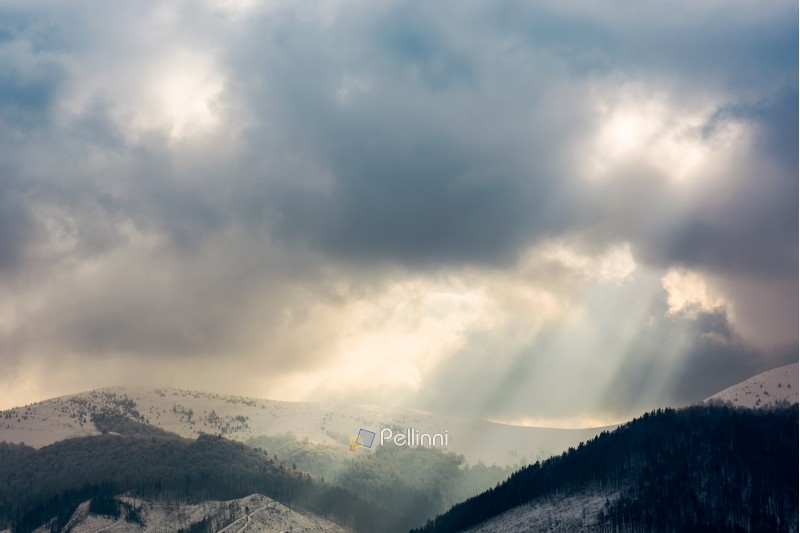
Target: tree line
[{"x": 45, "y": 486}]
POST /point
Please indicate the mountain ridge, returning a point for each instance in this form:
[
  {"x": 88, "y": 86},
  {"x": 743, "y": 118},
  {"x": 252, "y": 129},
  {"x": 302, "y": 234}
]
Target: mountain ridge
[{"x": 190, "y": 413}]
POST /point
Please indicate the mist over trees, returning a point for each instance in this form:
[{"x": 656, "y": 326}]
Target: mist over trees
[{"x": 414, "y": 482}]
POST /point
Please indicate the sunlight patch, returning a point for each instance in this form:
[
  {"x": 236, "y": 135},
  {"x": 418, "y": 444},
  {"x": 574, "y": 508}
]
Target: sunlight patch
[
  {"x": 688, "y": 294},
  {"x": 615, "y": 263},
  {"x": 643, "y": 127}
]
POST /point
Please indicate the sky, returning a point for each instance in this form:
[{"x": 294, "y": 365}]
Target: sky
[{"x": 547, "y": 213}]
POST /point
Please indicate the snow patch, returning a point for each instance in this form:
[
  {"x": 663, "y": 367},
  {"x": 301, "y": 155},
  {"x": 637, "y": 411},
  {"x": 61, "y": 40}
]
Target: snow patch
[
  {"x": 561, "y": 512},
  {"x": 776, "y": 386},
  {"x": 255, "y": 513}
]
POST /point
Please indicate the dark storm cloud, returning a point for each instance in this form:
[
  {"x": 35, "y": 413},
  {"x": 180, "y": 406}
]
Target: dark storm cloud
[
  {"x": 30, "y": 84},
  {"x": 720, "y": 358},
  {"x": 353, "y": 144},
  {"x": 27, "y": 98},
  {"x": 454, "y": 155},
  {"x": 411, "y": 37},
  {"x": 713, "y": 43},
  {"x": 30, "y": 81},
  {"x": 416, "y": 205},
  {"x": 17, "y": 230},
  {"x": 754, "y": 232},
  {"x": 419, "y": 173}
]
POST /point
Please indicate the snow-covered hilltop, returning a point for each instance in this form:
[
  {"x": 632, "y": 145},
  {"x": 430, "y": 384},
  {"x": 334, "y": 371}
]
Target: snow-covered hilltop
[
  {"x": 255, "y": 513},
  {"x": 190, "y": 413},
  {"x": 772, "y": 387}
]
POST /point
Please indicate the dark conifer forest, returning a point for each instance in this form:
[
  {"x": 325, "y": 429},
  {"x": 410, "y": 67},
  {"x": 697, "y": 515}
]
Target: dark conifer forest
[
  {"x": 709, "y": 468},
  {"x": 39, "y": 485}
]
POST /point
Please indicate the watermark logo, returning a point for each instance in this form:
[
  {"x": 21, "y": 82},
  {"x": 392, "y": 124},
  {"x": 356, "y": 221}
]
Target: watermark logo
[
  {"x": 410, "y": 437},
  {"x": 364, "y": 439}
]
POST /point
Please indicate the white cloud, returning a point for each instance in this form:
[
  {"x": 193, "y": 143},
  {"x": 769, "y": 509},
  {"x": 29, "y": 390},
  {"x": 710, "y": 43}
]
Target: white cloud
[
  {"x": 615, "y": 263},
  {"x": 640, "y": 124},
  {"x": 688, "y": 293}
]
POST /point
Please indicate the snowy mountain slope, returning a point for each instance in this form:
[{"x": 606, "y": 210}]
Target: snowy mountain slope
[
  {"x": 189, "y": 413},
  {"x": 44, "y": 423},
  {"x": 703, "y": 467},
  {"x": 578, "y": 511},
  {"x": 572, "y": 512},
  {"x": 763, "y": 390},
  {"x": 251, "y": 514}
]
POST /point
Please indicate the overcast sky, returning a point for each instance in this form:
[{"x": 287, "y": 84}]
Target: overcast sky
[{"x": 558, "y": 213}]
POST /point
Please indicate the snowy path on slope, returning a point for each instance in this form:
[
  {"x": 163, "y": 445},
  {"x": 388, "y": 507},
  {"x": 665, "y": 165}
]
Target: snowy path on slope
[{"x": 245, "y": 518}]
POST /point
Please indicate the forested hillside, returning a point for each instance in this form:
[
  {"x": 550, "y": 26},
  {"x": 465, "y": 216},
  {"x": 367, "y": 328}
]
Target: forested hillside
[
  {"x": 414, "y": 482},
  {"x": 712, "y": 468},
  {"x": 39, "y": 485}
]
